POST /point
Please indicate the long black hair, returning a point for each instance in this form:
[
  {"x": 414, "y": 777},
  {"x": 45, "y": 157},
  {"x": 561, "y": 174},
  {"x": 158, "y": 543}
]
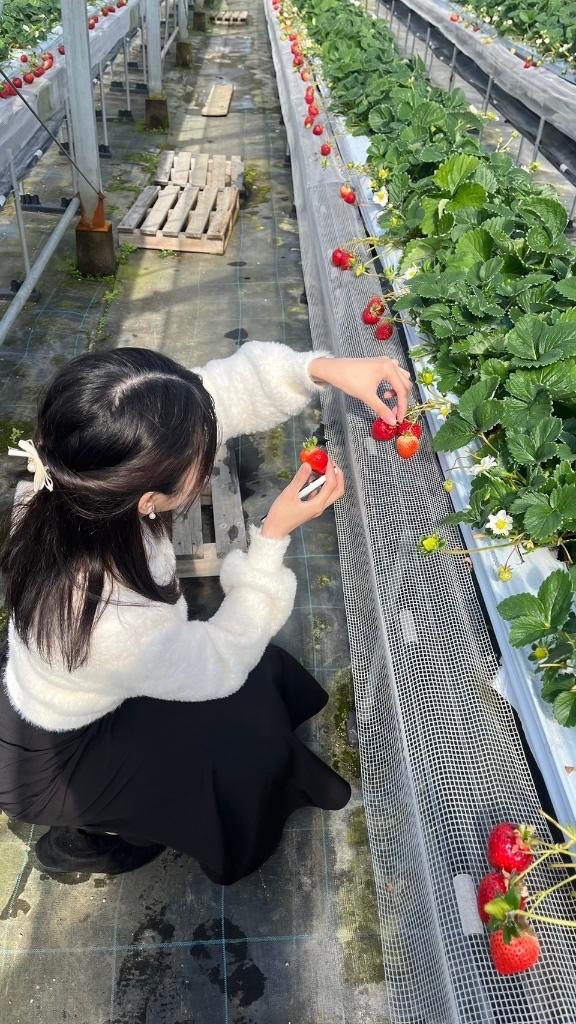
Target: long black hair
[{"x": 112, "y": 426}]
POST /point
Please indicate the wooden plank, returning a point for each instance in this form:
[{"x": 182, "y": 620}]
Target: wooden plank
[
  {"x": 139, "y": 209},
  {"x": 199, "y": 170},
  {"x": 229, "y": 528},
  {"x": 208, "y": 246},
  {"x": 178, "y": 216},
  {"x": 224, "y": 211},
  {"x": 159, "y": 211},
  {"x": 218, "y": 102},
  {"x": 201, "y": 215},
  {"x": 182, "y": 160},
  {"x": 209, "y": 565},
  {"x": 217, "y": 172},
  {"x": 187, "y": 538},
  {"x": 236, "y": 172},
  {"x": 164, "y": 167}
]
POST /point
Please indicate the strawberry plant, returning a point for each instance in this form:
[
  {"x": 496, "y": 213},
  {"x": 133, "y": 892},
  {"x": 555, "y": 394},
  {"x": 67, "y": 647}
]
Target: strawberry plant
[
  {"x": 491, "y": 284},
  {"x": 550, "y": 26}
]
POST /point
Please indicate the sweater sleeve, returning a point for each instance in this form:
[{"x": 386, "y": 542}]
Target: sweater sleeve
[
  {"x": 194, "y": 661},
  {"x": 261, "y": 385}
]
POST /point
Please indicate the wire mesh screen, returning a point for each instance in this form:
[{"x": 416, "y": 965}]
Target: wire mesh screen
[{"x": 441, "y": 758}]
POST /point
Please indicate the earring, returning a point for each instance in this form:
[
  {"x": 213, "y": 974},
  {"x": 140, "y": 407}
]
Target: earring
[{"x": 152, "y": 514}]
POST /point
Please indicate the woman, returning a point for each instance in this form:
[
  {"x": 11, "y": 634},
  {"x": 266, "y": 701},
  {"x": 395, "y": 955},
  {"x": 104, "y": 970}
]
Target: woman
[{"x": 124, "y": 727}]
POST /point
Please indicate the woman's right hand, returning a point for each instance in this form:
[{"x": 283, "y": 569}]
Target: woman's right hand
[{"x": 289, "y": 511}]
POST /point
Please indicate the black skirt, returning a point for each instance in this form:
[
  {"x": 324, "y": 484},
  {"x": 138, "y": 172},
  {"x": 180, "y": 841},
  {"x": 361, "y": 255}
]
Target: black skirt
[{"x": 215, "y": 779}]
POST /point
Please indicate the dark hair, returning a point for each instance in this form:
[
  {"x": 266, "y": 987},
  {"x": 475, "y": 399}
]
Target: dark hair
[{"x": 112, "y": 426}]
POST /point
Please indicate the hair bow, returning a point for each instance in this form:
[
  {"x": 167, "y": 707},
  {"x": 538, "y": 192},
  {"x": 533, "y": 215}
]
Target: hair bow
[{"x": 28, "y": 451}]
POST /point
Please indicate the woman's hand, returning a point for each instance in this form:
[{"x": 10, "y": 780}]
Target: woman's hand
[
  {"x": 361, "y": 378},
  {"x": 289, "y": 511}
]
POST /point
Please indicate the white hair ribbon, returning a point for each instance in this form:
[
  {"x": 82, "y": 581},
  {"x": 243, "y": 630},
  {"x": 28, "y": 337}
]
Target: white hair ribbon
[{"x": 28, "y": 451}]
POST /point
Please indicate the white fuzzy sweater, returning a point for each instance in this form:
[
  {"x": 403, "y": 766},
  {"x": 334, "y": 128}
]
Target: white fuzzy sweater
[{"x": 144, "y": 648}]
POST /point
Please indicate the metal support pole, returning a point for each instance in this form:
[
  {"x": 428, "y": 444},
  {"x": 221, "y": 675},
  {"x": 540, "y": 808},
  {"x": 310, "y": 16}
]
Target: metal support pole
[
  {"x": 520, "y": 145},
  {"x": 392, "y": 9},
  {"x": 127, "y": 75},
  {"x": 26, "y": 289},
  {"x": 572, "y": 209},
  {"x": 83, "y": 118},
  {"x": 183, "y": 33},
  {"x": 538, "y": 138},
  {"x": 143, "y": 45},
  {"x": 427, "y": 45},
  {"x": 19, "y": 217},
  {"x": 407, "y": 29},
  {"x": 153, "y": 48},
  {"x": 414, "y": 37},
  {"x": 70, "y": 141},
  {"x": 452, "y": 68},
  {"x": 487, "y": 94},
  {"x": 103, "y": 107}
]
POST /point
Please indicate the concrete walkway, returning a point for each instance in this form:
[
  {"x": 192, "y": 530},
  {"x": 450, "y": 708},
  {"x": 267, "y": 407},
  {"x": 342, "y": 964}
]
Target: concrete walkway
[{"x": 298, "y": 942}]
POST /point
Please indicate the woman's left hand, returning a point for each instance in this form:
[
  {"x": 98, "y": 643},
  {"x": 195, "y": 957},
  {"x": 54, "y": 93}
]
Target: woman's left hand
[{"x": 361, "y": 379}]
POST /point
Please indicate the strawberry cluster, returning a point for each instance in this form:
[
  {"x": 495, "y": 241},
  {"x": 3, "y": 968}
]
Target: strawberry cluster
[
  {"x": 502, "y": 895},
  {"x": 373, "y": 316},
  {"x": 406, "y": 435}
]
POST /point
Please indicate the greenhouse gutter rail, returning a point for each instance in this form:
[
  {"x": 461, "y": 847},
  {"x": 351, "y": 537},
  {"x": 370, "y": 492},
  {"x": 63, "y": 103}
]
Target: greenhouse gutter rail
[{"x": 553, "y": 745}]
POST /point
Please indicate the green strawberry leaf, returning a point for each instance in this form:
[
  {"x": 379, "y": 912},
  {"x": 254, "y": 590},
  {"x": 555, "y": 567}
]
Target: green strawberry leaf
[
  {"x": 475, "y": 396},
  {"x": 541, "y": 520},
  {"x": 453, "y": 434},
  {"x": 565, "y": 708},
  {"x": 555, "y": 595},
  {"x": 519, "y": 606},
  {"x": 454, "y": 171},
  {"x": 472, "y": 247},
  {"x": 469, "y": 194},
  {"x": 567, "y": 288}
]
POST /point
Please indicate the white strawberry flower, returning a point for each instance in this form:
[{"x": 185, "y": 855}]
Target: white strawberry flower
[
  {"x": 444, "y": 411},
  {"x": 500, "y": 523},
  {"x": 381, "y": 197},
  {"x": 410, "y": 273},
  {"x": 488, "y": 462}
]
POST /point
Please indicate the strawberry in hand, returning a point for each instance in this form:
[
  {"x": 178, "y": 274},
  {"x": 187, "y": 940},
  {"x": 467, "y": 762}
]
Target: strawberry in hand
[{"x": 313, "y": 455}]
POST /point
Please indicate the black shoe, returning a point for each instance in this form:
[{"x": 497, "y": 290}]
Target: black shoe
[{"x": 71, "y": 849}]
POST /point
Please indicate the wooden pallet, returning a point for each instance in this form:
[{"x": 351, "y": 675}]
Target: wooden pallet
[
  {"x": 229, "y": 16},
  {"x": 185, "y": 168},
  {"x": 199, "y": 551},
  {"x": 195, "y": 212},
  {"x": 218, "y": 102}
]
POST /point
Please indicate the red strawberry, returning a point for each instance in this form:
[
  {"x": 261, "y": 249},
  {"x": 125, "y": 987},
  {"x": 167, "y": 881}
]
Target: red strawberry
[
  {"x": 317, "y": 129},
  {"x": 384, "y": 331},
  {"x": 313, "y": 110},
  {"x": 527, "y": 63},
  {"x": 17, "y": 83},
  {"x": 24, "y": 58},
  {"x": 309, "y": 94},
  {"x": 508, "y": 847},
  {"x": 308, "y": 121},
  {"x": 521, "y": 953},
  {"x": 377, "y": 304},
  {"x": 350, "y": 198},
  {"x": 490, "y": 887},
  {"x": 293, "y": 37},
  {"x": 369, "y": 316},
  {"x": 313, "y": 455},
  {"x": 38, "y": 72},
  {"x": 295, "y": 48},
  {"x": 454, "y": 17},
  {"x": 346, "y": 261},
  {"x": 61, "y": 48},
  {"x": 337, "y": 257},
  {"x": 410, "y": 427},
  {"x": 325, "y": 149},
  {"x": 305, "y": 76},
  {"x": 298, "y": 62},
  {"x": 382, "y": 431},
  {"x": 407, "y": 445},
  {"x": 28, "y": 78},
  {"x": 345, "y": 190}
]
